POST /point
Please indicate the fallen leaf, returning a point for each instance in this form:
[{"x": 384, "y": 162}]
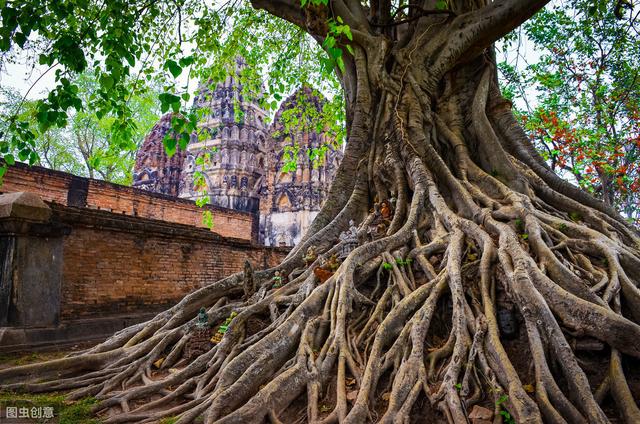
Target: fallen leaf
[
  {"x": 480, "y": 413},
  {"x": 529, "y": 388},
  {"x": 350, "y": 381},
  {"x": 158, "y": 363},
  {"x": 386, "y": 396}
]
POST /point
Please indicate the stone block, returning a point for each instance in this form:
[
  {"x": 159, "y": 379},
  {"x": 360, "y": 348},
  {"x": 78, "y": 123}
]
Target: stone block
[{"x": 24, "y": 205}]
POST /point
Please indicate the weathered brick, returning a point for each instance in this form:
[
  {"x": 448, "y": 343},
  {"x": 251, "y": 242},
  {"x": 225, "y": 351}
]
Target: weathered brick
[{"x": 54, "y": 186}]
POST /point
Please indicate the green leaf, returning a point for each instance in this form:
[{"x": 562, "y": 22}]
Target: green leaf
[
  {"x": 9, "y": 159},
  {"x": 20, "y": 38},
  {"x": 106, "y": 81},
  {"x": 170, "y": 145},
  {"x": 340, "y": 63},
  {"x": 502, "y": 399},
  {"x": 184, "y": 140},
  {"x": 173, "y": 67},
  {"x": 207, "y": 218},
  {"x": 186, "y": 61}
]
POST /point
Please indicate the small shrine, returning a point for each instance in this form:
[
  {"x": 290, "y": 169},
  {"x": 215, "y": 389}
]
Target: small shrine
[{"x": 198, "y": 342}]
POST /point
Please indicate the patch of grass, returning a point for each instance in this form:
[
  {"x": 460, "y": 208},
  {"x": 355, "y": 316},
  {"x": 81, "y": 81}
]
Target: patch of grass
[
  {"x": 575, "y": 216},
  {"x": 65, "y": 412},
  {"x": 519, "y": 225},
  {"x": 27, "y": 359},
  {"x": 168, "y": 420}
]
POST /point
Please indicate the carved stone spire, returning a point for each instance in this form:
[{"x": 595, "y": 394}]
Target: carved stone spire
[
  {"x": 233, "y": 134},
  {"x": 154, "y": 170},
  {"x": 294, "y": 197}
]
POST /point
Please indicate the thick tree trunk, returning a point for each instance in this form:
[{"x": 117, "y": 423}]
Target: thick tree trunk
[{"x": 481, "y": 232}]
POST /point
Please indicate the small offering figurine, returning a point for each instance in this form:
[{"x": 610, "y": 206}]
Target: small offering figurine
[
  {"x": 310, "y": 257},
  {"x": 382, "y": 213},
  {"x": 385, "y": 211},
  {"x": 322, "y": 274},
  {"x": 332, "y": 264},
  {"x": 203, "y": 319},
  {"x": 217, "y": 338},
  {"x": 277, "y": 280},
  {"x": 327, "y": 269},
  {"x": 377, "y": 230},
  {"x": 349, "y": 240}
]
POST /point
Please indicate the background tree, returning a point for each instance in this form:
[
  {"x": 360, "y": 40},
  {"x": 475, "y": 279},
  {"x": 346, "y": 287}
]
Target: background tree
[
  {"x": 584, "y": 119},
  {"x": 456, "y": 216},
  {"x": 83, "y": 147}
]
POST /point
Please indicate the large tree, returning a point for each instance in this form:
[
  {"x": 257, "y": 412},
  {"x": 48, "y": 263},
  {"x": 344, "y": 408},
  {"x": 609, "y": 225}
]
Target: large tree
[{"x": 409, "y": 319}]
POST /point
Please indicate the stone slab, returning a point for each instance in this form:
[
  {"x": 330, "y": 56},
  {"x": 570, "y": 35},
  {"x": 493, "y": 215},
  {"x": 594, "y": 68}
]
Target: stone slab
[{"x": 24, "y": 205}]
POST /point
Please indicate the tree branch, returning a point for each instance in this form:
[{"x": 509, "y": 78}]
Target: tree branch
[
  {"x": 419, "y": 14},
  {"x": 484, "y": 26},
  {"x": 289, "y": 10}
]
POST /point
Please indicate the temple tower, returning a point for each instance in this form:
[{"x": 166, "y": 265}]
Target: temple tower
[
  {"x": 154, "y": 170},
  {"x": 231, "y": 140},
  {"x": 291, "y": 199}
]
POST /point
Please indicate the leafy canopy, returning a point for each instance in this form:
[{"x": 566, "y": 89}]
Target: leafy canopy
[
  {"x": 585, "y": 117},
  {"x": 83, "y": 147},
  {"x": 129, "y": 44}
]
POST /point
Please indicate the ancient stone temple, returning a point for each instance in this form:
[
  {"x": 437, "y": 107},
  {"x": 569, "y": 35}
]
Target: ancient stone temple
[
  {"x": 154, "y": 170},
  {"x": 241, "y": 162},
  {"x": 291, "y": 199},
  {"x": 233, "y": 148}
]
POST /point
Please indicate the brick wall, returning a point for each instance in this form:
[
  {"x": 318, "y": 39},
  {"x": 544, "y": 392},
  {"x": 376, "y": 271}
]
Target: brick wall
[
  {"x": 66, "y": 189},
  {"x": 117, "y": 264}
]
